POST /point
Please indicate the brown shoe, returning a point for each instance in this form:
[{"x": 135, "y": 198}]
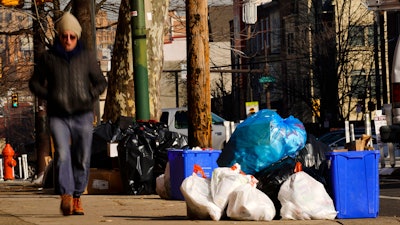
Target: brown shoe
[
  {"x": 66, "y": 205},
  {"x": 77, "y": 208}
]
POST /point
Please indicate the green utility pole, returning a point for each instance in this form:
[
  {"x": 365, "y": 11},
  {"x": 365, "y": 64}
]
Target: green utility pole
[{"x": 139, "y": 49}]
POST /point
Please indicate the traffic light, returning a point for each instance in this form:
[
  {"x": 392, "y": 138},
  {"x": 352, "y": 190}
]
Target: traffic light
[
  {"x": 12, "y": 3},
  {"x": 14, "y": 100}
]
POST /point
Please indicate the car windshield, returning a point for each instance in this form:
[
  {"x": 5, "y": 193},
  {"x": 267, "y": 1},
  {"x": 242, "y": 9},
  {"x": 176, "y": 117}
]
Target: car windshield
[
  {"x": 340, "y": 143},
  {"x": 331, "y": 137},
  {"x": 217, "y": 119},
  {"x": 181, "y": 119}
]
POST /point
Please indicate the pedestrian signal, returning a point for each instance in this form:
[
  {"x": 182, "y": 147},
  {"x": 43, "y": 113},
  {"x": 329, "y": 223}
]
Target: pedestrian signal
[{"x": 14, "y": 100}]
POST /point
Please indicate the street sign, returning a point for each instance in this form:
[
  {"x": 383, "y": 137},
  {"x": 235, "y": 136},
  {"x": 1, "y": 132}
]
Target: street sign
[{"x": 267, "y": 79}]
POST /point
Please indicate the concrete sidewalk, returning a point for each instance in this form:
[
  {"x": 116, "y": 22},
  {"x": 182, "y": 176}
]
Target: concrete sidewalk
[
  {"x": 24, "y": 204},
  {"x": 43, "y": 209}
]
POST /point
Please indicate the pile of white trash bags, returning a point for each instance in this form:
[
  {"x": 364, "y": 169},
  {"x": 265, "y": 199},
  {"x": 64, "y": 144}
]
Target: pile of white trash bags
[{"x": 231, "y": 193}]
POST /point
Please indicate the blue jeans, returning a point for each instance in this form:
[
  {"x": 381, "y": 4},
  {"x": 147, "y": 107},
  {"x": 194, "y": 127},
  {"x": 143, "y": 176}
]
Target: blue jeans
[{"x": 72, "y": 137}]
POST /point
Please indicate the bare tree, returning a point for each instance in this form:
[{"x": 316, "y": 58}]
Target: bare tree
[
  {"x": 155, "y": 51},
  {"x": 355, "y": 61},
  {"x": 120, "y": 99},
  {"x": 328, "y": 59},
  {"x": 120, "y": 91}
]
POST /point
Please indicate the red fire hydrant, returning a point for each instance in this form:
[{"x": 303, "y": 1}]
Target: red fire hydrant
[{"x": 9, "y": 162}]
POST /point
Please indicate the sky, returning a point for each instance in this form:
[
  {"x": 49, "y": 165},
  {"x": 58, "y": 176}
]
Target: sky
[{"x": 179, "y": 3}]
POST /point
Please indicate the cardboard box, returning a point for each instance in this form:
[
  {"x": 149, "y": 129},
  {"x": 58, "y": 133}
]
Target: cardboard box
[{"x": 104, "y": 181}]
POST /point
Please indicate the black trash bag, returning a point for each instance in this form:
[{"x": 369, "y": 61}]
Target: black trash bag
[
  {"x": 314, "y": 152},
  {"x": 103, "y": 134},
  {"x": 313, "y": 159},
  {"x": 271, "y": 179},
  {"x": 136, "y": 161},
  {"x": 168, "y": 139},
  {"x": 143, "y": 155},
  {"x": 320, "y": 173}
]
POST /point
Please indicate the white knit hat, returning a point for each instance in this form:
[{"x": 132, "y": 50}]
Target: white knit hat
[{"x": 69, "y": 22}]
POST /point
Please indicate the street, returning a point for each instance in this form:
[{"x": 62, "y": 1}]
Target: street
[{"x": 389, "y": 197}]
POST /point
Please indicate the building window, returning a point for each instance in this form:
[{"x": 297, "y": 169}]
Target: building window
[
  {"x": 306, "y": 87},
  {"x": 373, "y": 82},
  {"x": 356, "y": 36},
  {"x": 258, "y": 37},
  {"x": 359, "y": 84},
  {"x": 370, "y": 35},
  {"x": 8, "y": 17},
  {"x": 294, "y": 6},
  {"x": 267, "y": 32},
  {"x": 291, "y": 91},
  {"x": 27, "y": 55},
  {"x": 290, "y": 44},
  {"x": 275, "y": 27},
  {"x": 262, "y": 32},
  {"x": 253, "y": 41}
]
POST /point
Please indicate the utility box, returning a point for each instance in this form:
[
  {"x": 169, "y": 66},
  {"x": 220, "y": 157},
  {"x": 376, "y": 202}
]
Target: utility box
[{"x": 355, "y": 183}]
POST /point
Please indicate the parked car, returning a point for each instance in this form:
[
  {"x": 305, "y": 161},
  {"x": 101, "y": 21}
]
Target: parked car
[
  {"x": 340, "y": 143},
  {"x": 177, "y": 121},
  {"x": 337, "y": 140},
  {"x": 333, "y": 136}
]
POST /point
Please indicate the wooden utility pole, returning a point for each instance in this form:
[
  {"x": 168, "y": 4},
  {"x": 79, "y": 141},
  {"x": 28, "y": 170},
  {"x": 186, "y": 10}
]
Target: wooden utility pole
[{"x": 198, "y": 67}]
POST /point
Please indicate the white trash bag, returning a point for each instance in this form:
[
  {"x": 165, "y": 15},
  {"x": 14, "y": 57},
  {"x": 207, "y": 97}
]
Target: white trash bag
[
  {"x": 304, "y": 198},
  {"x": 160, "y": 187},
  {"x": 163, "y": 185},
  {"x": 248, "y": 203},
  {"x": 224, "y": 181},
  {"x": 196, "y": 191}
]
